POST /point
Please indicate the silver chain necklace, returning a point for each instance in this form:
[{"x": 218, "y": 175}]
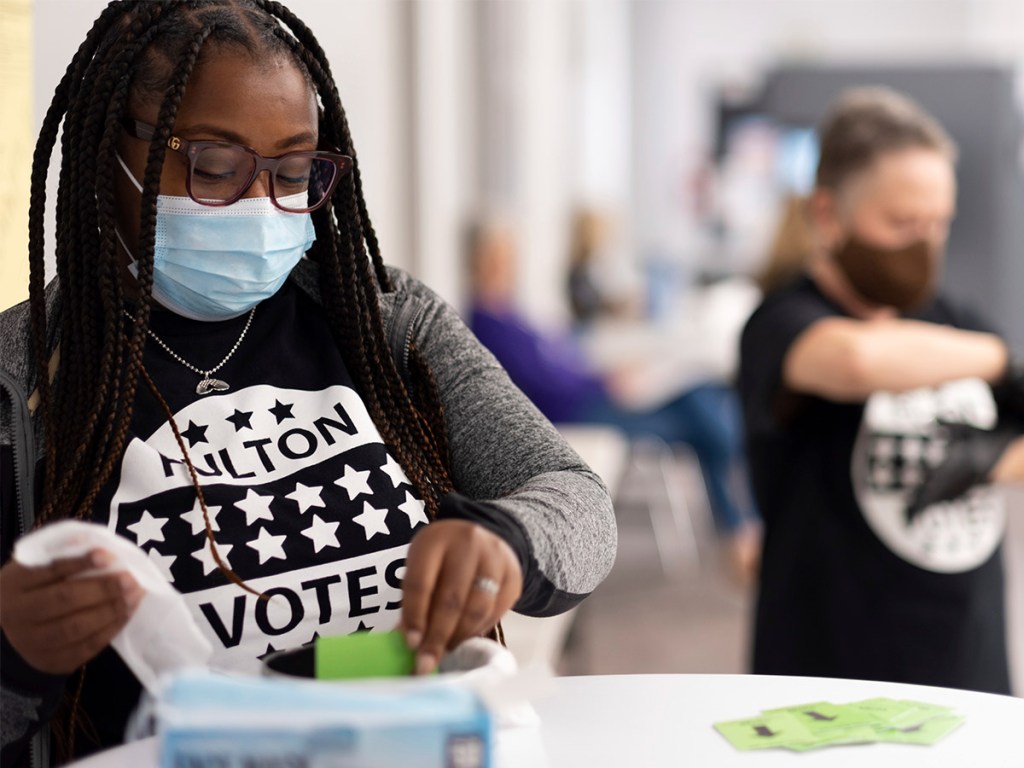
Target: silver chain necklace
[{"x": 208, "y": 384}]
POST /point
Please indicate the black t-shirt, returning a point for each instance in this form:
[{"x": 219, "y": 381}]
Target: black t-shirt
[
  {"x": 850, "y": 588},
  {"x": 306, "y": 503}
]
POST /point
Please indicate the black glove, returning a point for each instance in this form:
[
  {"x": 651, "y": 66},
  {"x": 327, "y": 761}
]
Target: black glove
[
  {"x": 1009, "y": 391},
  {"x": 971, "y": 455}
]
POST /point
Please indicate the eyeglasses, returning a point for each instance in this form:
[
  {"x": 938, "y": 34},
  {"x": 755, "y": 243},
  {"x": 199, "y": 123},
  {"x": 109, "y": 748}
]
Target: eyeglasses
[{"x": 220, "y": 172}]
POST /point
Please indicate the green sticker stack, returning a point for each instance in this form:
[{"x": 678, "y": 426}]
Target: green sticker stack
[{"x": 822, "y": 724}]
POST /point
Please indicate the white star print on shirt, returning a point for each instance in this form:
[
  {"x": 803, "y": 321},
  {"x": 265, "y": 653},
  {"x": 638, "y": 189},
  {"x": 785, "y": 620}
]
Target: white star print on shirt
[
  {"x": 372, "y": 520},
  {"x": 163, "y": 562},
  {"x": 323, "y": 534},
  {"x": 394, "y": 470},
  {"x": 268, "y": 546},
  {"x": 205, "y": 556},
  {"x": 306, "y": 496},
  {"x": 354, "y": 482},
  {"x": 415, "y": 509},
  {"x": 148, "y": 528},
  {"x": 194, "y": 517},
  {"x": 256, "y": 507}
]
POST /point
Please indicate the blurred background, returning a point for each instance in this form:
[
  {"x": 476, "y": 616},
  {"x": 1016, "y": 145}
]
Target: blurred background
[{"x": 670, "y": 135}]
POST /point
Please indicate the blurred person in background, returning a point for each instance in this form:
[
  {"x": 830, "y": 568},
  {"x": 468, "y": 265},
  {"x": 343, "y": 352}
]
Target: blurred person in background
[
  {"x": 593, "y": 292},
  {"x": 878, "y": 415},
  {"x": 791, "y": 247},
  {"x": 553, "y": 372}
]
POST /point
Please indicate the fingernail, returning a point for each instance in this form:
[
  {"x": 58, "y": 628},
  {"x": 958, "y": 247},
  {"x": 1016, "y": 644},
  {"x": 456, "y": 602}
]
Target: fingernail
[
  {"x": 126, "y": 581},
  {"x": 413, "y": 638},
  {"x": 425, "y": 663}
]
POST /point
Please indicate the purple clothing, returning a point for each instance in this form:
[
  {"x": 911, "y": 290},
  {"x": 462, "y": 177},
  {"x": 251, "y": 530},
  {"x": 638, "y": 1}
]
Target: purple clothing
[{"x": 550, "y": 370}]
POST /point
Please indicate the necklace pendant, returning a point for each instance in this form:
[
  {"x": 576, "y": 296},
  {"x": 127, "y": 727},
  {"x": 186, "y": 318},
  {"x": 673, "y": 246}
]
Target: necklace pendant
[{"x": 208, "y": 385}]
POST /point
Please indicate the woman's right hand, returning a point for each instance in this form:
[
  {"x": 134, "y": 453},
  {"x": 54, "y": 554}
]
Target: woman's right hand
[{"x": 57, "y": 622}]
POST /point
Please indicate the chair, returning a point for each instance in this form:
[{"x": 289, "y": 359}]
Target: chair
[{"x": 655, "y": 477}]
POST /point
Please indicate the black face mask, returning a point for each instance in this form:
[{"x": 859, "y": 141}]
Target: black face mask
[{"x": 904, "y": 278}]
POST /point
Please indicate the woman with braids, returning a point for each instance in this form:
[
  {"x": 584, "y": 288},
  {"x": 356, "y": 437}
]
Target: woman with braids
[{"x": 224, "y": 372}]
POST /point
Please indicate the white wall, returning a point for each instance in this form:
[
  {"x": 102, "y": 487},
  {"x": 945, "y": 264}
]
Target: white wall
[
  {"x": 17, "y": 129},
  {"x": 601, "y": 120},
  {"x": 543, "y": 119},
  {"x": 444, "y": 134},
  {"x": 367, "y": 44},
  {"x": 554, "y": 128}
]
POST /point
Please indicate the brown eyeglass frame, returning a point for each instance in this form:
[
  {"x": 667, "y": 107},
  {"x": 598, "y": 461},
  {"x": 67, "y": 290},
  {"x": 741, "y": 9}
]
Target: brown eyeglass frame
[{"x": 190, "y": 149}]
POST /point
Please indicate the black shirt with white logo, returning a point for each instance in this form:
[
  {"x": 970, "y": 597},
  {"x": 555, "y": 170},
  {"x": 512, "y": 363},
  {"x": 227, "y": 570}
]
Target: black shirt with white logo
[
  {"x": 305, "y": 502},
  {"x": 851, "y": 586}
]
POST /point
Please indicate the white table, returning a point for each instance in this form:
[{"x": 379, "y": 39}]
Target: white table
[
  {"x": 650, "y": 721},
  {"x": 666, "y": 720}
]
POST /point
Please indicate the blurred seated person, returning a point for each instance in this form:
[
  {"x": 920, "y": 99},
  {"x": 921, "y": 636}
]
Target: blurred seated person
[
  {"x": 593, "y": 291},
  {"x": 550, "y": 368}
]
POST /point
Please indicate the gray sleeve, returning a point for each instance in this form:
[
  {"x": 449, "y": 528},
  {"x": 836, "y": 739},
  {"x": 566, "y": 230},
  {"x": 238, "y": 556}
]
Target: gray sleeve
[
  {"x": 28, "y": 699},
  {"x": 504, "y": 452},
  {"x": 18, "y": 718}
]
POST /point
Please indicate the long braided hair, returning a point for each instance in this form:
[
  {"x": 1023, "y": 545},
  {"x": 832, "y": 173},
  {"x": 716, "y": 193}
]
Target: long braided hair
[
  {"x": 147, "y": 50},
  {"x": 141, "y": 49}
]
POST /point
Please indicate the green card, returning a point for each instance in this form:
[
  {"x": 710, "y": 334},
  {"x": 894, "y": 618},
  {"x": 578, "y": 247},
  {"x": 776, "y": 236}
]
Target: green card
[
  {"x": 857, "y": 735},
  {"x": 885, "y": 710},
  {"x": 764, "y": 732},
  {"x": 820, "y": 724},
  {"x": 919, "y": 712},
  {"x": 927, "y": 732},
  {"x": 831, "y": 724},
  {"x": 362, "y": 655},
  {"x": 823, "y": 717}
]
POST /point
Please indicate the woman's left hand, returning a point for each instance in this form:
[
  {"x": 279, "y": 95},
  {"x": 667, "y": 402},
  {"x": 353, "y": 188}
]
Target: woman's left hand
[{"x": 460, "y": 579}]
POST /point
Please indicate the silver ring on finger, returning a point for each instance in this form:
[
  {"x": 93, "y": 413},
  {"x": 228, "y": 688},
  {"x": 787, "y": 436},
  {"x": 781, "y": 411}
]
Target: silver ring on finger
[{"x": 487, "y": 584}]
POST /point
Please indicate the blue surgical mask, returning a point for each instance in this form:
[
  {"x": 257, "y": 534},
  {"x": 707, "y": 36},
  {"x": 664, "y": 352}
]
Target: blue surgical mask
[{"x": 213, "y": 263}]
